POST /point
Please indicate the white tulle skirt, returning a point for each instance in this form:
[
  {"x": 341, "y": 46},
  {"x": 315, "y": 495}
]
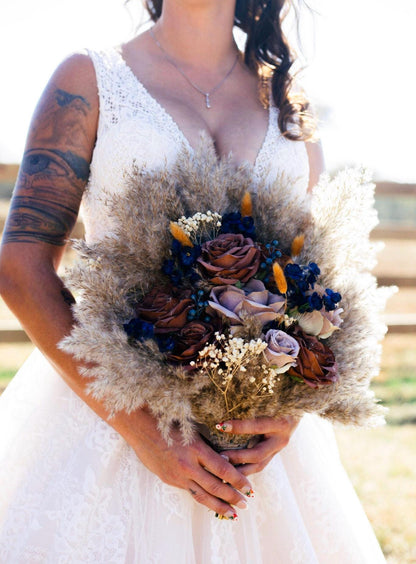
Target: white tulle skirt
[{"x": 73, "y": 491}]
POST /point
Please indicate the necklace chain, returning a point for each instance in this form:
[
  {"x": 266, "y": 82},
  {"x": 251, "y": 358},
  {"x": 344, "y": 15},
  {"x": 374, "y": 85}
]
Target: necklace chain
[{"x": 186, "y": 77}]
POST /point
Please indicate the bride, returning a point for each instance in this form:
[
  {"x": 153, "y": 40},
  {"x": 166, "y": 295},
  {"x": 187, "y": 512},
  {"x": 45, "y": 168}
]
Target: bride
[{"x": 77, "y": 486}]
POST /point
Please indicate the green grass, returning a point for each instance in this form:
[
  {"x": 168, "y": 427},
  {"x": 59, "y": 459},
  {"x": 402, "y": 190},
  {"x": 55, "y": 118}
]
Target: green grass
[{"x": 6, "y": 376}]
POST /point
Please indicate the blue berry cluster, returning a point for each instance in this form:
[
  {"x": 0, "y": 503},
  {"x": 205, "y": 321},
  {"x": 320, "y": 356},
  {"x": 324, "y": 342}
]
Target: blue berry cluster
[
  {"x": 234, "y": 222},
  {"x": 270, "y": 253},
  {"x": 181, "y": 264},
  {"x": 198, "y": 312}
]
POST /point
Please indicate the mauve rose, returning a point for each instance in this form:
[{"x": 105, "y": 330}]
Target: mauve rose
[
  {"x": 315, "y": 363},
  {"x": 190, "y": 340},
  {"x": 166, "y": 311},
  {"x": 233, "y": 303},
  {"x": 282, "y": 349},
  {"x": 229, "y": 258}
]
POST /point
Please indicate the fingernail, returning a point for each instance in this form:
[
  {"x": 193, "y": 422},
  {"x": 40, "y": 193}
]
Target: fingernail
[
  {"x": 225, "y": 456},
  {"x": 229, "y": 515},
  {"x": 224, "y": 427},
  {"x": 249, "y": 493},
  {"x": 242, "y": 504}
]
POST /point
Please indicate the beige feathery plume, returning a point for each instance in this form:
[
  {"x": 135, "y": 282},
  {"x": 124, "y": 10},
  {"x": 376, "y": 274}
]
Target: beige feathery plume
[
  {"x": 297, "y": 245},
  {"x": 279, "y": 278},
  {"x": 246, "y": 205},
  {"x": 179, "y": 234}
]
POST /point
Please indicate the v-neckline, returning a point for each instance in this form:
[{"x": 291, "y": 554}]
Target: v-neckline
[{"x": 178, "y": 130}]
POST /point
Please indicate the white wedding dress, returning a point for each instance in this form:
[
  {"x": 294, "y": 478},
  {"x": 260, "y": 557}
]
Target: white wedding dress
[{"x": 73, "y": 491}]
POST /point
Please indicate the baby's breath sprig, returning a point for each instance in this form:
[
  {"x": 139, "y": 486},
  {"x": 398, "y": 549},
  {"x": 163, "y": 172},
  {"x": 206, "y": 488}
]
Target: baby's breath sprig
[
  {"x": 228, "y": 359},
  {"x": 201, "y": 226}
]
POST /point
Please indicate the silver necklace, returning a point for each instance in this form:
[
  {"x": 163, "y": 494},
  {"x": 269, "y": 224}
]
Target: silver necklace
[{"x": 205, "y": 94}]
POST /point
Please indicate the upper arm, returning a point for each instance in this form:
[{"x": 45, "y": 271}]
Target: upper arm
[
  {"x": 55, "y": 165},
  {"x": 316, "y": 162}
]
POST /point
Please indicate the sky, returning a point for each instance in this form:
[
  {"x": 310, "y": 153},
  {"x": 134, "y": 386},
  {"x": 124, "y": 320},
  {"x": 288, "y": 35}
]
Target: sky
[{"x": 360, "y": 71}]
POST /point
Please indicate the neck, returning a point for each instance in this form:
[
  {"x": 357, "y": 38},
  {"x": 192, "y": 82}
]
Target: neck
[{"x": 198, "y": 33}]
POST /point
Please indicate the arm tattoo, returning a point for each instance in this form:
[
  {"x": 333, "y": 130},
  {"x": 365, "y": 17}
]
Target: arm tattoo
[
  {"x": 52, "y": 175},
  {"x": 46, "y": 202}
]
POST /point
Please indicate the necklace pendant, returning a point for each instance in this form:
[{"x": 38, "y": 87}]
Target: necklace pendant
[{"x": 207, "y": 101}]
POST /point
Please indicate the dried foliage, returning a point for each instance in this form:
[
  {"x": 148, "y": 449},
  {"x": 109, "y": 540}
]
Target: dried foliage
[{"x": 113, "y": 273}]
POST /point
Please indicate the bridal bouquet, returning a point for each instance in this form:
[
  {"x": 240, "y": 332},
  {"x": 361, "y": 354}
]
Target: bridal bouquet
[{"x": 206, "y": 301}]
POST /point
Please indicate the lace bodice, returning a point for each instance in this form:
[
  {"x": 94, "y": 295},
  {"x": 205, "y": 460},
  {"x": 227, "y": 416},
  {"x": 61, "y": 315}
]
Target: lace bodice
[{"x": 134, "y": 127}]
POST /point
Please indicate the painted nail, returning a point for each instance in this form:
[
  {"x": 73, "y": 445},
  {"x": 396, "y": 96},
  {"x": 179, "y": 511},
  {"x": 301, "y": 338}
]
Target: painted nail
[
  {"x": 223, "y": 427},
  {"x": 229, "y": 516},
  {"x": 249, "y": 493}
]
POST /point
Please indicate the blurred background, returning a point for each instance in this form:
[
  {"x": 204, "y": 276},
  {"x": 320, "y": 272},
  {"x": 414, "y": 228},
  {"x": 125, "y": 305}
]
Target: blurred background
[{"x": 359, "y": 73}]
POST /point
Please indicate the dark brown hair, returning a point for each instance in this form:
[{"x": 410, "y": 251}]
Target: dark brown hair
[{"x": 268, "y": 53}]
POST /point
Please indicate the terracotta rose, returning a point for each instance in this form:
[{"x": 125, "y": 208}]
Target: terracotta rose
[
  {"x": 229, "y": 258},
  {"x": 315, "y": 364},
  {"x": 166, "y": 311},
  {"x": 190, "y": 340}
]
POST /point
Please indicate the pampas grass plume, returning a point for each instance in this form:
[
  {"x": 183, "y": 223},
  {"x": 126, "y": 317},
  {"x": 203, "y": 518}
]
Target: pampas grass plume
[
  {"x": 246, "y": 205},
  {"x": 279, "y": 278},
  {"x": 297, "y": 245},
  {"x": 179, "y": 234}
]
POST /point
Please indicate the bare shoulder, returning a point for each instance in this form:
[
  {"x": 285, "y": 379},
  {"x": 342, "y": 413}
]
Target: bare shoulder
[
  {"x": 316, "y": 162},
  {"x": 77, "y": 71},
  {"x": 72, "y": 86}
]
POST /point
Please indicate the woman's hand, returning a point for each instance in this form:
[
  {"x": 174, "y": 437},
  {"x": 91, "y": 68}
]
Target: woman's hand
[
  {"x": 276, "y": 434},
  {"x": 205, "y": 474}
]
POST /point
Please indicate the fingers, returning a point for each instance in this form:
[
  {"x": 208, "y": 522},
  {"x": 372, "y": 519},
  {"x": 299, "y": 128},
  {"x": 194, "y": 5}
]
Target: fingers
[
  {"x": 221, "y": 491},
  {"x": 229, "y": 477},
  {"x": 259, "y": 426},
  {"x": 263, "y": 450},
  {"x": 220, "y": 507},
  {"x": 249, "y": 469}
]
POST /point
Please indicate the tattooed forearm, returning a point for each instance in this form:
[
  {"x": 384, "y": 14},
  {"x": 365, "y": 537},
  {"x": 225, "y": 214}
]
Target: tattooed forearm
[
  {"x": 47, "y": 197},
  {"x": 53, "y": 172}
]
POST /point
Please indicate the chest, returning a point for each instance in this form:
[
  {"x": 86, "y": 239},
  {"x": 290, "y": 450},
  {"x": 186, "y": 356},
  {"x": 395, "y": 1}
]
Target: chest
[{"x": 135, "y": 128}]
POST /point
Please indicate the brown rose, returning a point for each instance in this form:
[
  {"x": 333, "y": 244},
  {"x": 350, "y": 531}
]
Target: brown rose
[
  {"x": 229, "y": 258},
  {"x": 191, "y": 339},
  {"x": 166, "y": 309},
  {"x": 315, "y": 363}
]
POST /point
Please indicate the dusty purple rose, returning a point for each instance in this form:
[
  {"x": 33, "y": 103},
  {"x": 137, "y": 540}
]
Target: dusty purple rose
[
  {"x": 229, "y": 258},
  {"x": 282, "y": 349},
  {"x": 254, "y": 300}
]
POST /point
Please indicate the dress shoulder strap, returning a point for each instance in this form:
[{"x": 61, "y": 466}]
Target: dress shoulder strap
[{"x": 114, "y": 87}]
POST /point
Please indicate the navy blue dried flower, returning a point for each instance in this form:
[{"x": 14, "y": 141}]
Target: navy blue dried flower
[
  {"x": 234, "y": 223},
  {"x": 315, "y": 301},
  {"x": 331, "y": 299},
  {"x": 166, "y": 343},
  {"x": 139, "y": 330}
]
